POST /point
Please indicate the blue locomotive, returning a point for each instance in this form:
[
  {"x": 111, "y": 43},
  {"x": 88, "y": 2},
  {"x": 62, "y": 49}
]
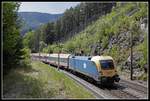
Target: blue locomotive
[{"x": 101, "y": 68}]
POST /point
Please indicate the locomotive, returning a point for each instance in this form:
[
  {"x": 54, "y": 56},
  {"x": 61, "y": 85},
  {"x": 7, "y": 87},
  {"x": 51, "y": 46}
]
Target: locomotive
[{"x": 100, "y": 68}]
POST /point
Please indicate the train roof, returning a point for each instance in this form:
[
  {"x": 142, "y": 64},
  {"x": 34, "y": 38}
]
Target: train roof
[
  {"x": 82, "y": 57},
  {"x": 41, "y": 54},
  {"x": 101, "y": 58},
  {"x": 61, "y": 55},
  {"x": 93, "y": 57},
  {"x": 52, "y": 55}
]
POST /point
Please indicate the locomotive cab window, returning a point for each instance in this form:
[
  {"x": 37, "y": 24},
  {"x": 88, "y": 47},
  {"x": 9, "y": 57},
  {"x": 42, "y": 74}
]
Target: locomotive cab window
[{"x": 107, "y": 64}]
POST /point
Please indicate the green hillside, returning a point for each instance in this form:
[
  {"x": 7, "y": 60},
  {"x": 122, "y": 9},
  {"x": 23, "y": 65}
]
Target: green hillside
[{"x": 112, "y": 32}]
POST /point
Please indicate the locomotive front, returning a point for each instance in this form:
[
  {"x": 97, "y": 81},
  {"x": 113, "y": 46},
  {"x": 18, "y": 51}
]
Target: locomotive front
[{"x": 107, "y": 69}]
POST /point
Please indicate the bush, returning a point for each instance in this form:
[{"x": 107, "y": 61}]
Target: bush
[
  {"x": 105, "y": 42},
  {"x": 26, "y": 61},
  {"x": 69, "y": 46},
  {"x": 143, "y": 48},
  {"x": 114, "y": 52},
  {"x": 143, "y": 77}
]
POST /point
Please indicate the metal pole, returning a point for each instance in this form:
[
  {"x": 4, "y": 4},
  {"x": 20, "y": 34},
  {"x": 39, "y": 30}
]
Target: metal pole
[
  {"x": 58, "y": 57},
  {"x": 58, "y": 60},
  {"x": 39, "y": 55},
  {"x": 131, "y": 54},
  {"x": 99, "y": 47},
  {"x": 39, "y": 46},
  {"x": 48, "y": 57}
]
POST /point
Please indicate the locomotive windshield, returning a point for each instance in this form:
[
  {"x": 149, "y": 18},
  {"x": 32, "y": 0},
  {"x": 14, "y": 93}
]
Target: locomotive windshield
[{"x": 107, "y": 64}]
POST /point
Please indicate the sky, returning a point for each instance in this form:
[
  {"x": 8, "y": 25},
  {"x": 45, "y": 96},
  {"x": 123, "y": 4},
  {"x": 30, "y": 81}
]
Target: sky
[{"x": 46, "y": 7}]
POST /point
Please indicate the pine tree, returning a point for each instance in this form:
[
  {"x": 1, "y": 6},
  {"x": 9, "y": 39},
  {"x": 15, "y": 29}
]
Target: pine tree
[{"x": 12, "y": 41}]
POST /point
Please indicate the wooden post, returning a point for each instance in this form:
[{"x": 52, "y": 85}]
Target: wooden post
[
  {"x": 39, "y": 46},
  {"x": 131, "y": 55},
  {"x": 58, "y": 57},
  {"x": 58, "y": 60}
]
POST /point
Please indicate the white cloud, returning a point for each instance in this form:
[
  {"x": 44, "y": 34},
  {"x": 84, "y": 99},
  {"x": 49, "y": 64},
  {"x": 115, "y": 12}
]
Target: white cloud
[{"x": 46, "y": 7}]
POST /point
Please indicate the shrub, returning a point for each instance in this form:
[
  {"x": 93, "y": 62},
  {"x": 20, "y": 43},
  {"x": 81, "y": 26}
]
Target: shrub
[
  {"x": 105, "y": 42},
  {"x": 26, "y": 61},
  {"x": 143, "y": 48}
]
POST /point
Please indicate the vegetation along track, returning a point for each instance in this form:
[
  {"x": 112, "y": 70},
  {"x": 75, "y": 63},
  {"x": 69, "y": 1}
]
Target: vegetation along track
[{"x": 95, "y": 90}]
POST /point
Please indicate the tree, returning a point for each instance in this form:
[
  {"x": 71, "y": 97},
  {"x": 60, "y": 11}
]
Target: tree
[
  {"x": 12, "y": 41},
  {"x": 50, "y": 33},
  {"x": 29, "y": 41}
]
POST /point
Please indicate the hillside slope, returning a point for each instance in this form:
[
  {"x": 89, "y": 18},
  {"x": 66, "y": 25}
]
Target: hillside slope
[
  {"x": 112, "y": 34},
  {"x": 32, "y": 20},
  {"x": 41, "y": 81}
]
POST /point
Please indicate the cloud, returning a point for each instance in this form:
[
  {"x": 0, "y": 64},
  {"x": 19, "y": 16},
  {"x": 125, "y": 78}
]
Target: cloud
[{"x": 46, "y": 7}]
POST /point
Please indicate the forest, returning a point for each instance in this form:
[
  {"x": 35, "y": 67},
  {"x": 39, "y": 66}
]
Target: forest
[
  {"x": 72, "y": 22},
  {"x": 14, "y": 52}
]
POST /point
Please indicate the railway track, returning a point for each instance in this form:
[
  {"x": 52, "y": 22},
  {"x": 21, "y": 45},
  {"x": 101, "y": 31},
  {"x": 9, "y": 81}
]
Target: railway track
[
  {"x": 121, "y": 94},
  {"x": 124, "y": 92},
  {"x": 136, "y": 86}
]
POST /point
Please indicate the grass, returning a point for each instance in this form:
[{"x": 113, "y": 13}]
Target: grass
[
  {"x": 143, "y": 77},
  {"x": 41, "y": 81}
]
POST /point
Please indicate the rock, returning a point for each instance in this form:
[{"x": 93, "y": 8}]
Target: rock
[
  {"x": 137, "y": 72},
  {"x": 127, "y": 33},
  {"x": 110, "y": 44},
  {"x": 143, "y": 26},
  {"x": 141, "y": 38},
  {"x": 115, "y": 40},
  {"x": 136, "y": 57},
  {"x": 124, "y": 40},
  {"x": 125, "y": 65}
]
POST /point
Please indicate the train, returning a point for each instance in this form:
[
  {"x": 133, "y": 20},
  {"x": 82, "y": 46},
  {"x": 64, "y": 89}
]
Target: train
[{"x": 101, "y": 69}]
